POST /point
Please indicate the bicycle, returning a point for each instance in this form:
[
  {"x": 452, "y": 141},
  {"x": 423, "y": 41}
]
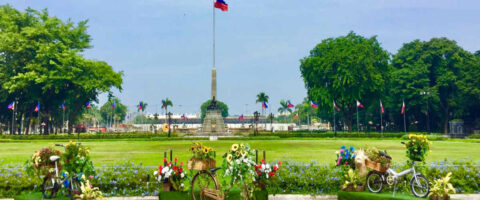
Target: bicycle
[
  {"x": 53, "y": 182},
  {"x": 418, "y": 183}
]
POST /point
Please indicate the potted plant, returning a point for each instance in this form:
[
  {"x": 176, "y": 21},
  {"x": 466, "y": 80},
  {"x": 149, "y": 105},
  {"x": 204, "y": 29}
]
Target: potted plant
[
  {"x": 353, "y": 182},
  {"x": 88, "y": 191},
  {"x": 237, "y": 165},
  {"x": 376, "y": 159},
  {"x": 171, "y": 175},
  {"x": 346, "y": 157},
  {"x": 264, "y": 173},
  {"x": 202, "y": 157},
  {"x": 417, "y": 147},
  {"x": 441, "y": 188},
  {"x": 40, "y": 163}
]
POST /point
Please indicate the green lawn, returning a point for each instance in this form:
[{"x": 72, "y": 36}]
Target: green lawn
[{"x": 321, "y": 150}]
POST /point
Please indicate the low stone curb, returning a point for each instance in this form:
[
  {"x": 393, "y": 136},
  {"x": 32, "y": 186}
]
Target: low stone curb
[
  {"x": 133, "y": 198},
  {"x": 301, "y": 197},
  {"x": 466, "y": 196}
]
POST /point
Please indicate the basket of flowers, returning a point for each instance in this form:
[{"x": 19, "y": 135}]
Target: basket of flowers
[
  {"x": 417, "y": 147},
  {"x": 237, "y": 165},
  {"x": 202, "y": 158},
  {"x": 40, "y": 163},
  {"x": 264, "y": 173},
  {"x": 377, "y": 160},
  {"x": 171, "y": 175}
]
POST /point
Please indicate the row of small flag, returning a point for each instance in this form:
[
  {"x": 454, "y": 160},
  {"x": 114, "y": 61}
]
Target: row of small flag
[
  {"x": 11, "y": 106},
  {"x": 359, "y": 105}
]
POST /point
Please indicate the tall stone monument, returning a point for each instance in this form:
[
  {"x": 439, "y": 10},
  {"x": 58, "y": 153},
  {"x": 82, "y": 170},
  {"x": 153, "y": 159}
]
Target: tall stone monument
[{"x": 213, "y": 123}]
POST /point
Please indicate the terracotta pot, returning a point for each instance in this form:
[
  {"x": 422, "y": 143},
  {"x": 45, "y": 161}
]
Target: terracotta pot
[
  {"x": 350, "y": 188},
  {"x": 262, "y": 185},
  {"x": 167, "y": 187}
]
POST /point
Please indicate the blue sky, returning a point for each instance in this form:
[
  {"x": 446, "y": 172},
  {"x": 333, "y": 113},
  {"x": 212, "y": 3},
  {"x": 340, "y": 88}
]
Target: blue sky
[{"x": 164, "y": 47}]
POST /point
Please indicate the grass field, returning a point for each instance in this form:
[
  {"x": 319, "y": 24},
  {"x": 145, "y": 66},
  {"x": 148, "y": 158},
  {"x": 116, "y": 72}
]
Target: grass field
[{"x": 321, "y": 150}]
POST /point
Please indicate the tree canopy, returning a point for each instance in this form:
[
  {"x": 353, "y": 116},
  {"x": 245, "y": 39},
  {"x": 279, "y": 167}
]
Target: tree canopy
[
  {"x": 222, "y": 106},
  {"x": 41, "y": 61}
]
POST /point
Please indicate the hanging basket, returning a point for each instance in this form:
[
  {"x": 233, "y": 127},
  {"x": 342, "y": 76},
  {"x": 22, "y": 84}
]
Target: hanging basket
[
  {"x": 200, "y": 164},
  {"x": 377, "y": 166}
]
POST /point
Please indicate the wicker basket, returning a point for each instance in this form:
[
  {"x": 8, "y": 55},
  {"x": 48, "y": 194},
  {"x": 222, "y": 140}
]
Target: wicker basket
[
  {"x": 213, "y": 194},
  {"x": 199, "y": 164},
  {"x": 377, "y": 166}
]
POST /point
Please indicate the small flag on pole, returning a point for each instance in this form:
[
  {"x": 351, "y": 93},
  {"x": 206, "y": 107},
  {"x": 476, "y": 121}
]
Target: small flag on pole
[
  {"x": 314, "y": 104},
  {"x": 381, "y": 107},
  {"x": 184, "y": 118},
  {"x": 63, "y": 106},
  {"x": 140, "y": 106},
  {"x": 403, "y": 108},
  {"x": 220, "y": 4},
  {"x": 264, "y": 105},
  {"x": 88, "y": 105},
  {"x": 240, "y": 118},
  {"x": 359, "y": 104},
  {"x": 290, "y": 105},
  {"x": 113, "y": 105},
  {"x": 37, "y": 108},
  {"x": 295, "y": 115},
  {"x": 11, "y": 106},
  {"x": 335, "y": 106}
]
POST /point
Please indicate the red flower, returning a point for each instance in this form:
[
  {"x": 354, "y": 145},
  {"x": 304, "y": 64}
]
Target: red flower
[
  {"x": 263, "y": 160},
  {"x": 160, "y": 168},
  {"x": 279, "y": 162},
  {"x": 271, "y": 174},
  {"x": 180, "y": 170},
  {"x": 259, "y": 173},
  {"x": 175, "y": 168},
  {"x": 275, "y": 168},
  {"x": 164, "y": 160},
  {"x": 176, "y": 159},
  {"x": 181, "y": 163}
]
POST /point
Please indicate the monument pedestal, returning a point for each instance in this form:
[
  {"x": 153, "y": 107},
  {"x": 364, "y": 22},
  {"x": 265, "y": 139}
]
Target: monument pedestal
[{"x": 213, "y": 124}]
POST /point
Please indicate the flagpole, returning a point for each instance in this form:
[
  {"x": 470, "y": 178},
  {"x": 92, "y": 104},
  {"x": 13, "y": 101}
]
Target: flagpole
[
  {"x": 213, "y": 31},
  {"x": 334, "y": 130},
  {"x": 13, "y": 117},
  {"x": 404, "y": 121},
  {"x": 381, "y": 117},
  {"x": 63, "y": 121},
  {"x": 358, "y": 125}
]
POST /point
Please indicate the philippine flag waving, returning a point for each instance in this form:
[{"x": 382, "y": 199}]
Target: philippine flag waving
[
  {"x": 88, "y": 105},
  {"x": 264, "y": 105},
  {"x": 220, "y": 4},
  {"x": 37, "y": 108},
  {"x": 11, "y": 106},
  {"x": 290, "y": 105},
  {"x": 314, "y": 104},
  {"x": 359, "y": 104},
  {"x": 240, "y": 118}
]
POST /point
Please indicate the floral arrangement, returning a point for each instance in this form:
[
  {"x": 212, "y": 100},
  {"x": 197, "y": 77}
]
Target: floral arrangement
[
  {"x": 265, "y": 172},
  {"x": 375, "y": 155},
  {"x": 441, "y": 188},
  {"x": 88, "y": 191},
  {"x": 76, "y": 159},
  {"x": 417, "y": 147},
  {"x": 238, "y": 165},
  {"x": 40, "y": 164},
  {"x": 201, "y": 151},
  {"x": 352, "y": 179},
  {"x": 171, "y": 173},
  {"x": 346, "y": 157}
]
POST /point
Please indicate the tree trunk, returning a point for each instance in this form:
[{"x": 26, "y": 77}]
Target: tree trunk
[
  {"x": 445, "y": 120},
  {"x": 348, "y": 117}
]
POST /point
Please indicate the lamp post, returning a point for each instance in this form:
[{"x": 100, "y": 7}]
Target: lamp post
[
  {"x": 256, "y": 114},
  {"x": 427, "y": 113},
  {"x": 169, "y": 114}
]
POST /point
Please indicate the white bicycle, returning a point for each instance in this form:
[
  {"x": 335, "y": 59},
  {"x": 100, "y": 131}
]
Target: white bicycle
[{"x": 418, "y": 183}]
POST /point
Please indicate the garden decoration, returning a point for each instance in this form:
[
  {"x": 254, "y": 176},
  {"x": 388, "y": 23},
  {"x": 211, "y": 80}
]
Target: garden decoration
[
  {"x": 417, "y": 147},
  {"x": 360, "y": 158},
  {"x": 238, "y": 165},
  {"x": 88, "y": 191},
  {"x": 346, "y": 157},
  {"x": 264, "y": 172},
  {"x": 205, "y": 182},
  {"x": 377, "y": 160},
  {"x": 442, "y": 188},
  {"x": 75, "y": 159},
  {"x": 353, "y": 182},
  {"x": 171, "y": 174},
  {"x": 376, "y": 179}
]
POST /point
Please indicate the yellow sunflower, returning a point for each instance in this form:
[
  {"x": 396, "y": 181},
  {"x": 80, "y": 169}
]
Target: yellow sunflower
[
  {"x": 205, "y": 150},
  {"x": 229, "y": 157},
  {"x": 244, "y": 153},
  {"x": 234, "y": 147}
]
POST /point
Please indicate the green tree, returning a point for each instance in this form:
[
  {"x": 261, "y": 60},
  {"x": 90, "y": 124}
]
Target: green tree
[
  {"x": 118, "y": 112},
  {"x": 165, "y": 104},
  {"x": 41, "y": 61},
  {"x": 223, "y": 107},
  {"x": 284, "y": 107},
  {"x": 345, "y": 69},
  {"x": 436, "y": 66},
  {"x": 262, "y": 97}
]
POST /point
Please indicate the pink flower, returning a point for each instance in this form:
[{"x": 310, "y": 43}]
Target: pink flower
[
  {"x": 341, "y": 150},
  {"x": 90, "y": 177},
  {"x": 339, "y": 159}
]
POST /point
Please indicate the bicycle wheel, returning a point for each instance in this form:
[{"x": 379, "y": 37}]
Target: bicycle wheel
[
  {"x": 420, "y": 187},
  {"x": 49, "y": 188},
  {"x": 74, "y": 188},
  {"x": 375, "y": 182},
  {"x": 203, "y": 180}
]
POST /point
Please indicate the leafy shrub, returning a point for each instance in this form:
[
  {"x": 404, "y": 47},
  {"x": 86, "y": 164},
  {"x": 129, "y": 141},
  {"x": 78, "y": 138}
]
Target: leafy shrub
[
  {"x": 474, "y": 136},
  {"x": 417, "y": 147}
]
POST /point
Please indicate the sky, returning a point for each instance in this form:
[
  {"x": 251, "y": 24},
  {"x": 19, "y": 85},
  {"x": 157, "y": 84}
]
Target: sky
[{"x": 164, "y": 47}]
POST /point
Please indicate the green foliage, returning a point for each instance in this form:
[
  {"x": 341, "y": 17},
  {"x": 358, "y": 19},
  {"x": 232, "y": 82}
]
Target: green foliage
[
  {"x": 375, "y": 155},
  {"x": 284, "y": 107},
  {"x": 41, "y": 61},
  {"x": 238, "y": 168},
  {"x": 143, "y": 107},
  {"x": 119, "y": 111},
  {"x": 352, "y": 178},
  {"x": 40, "y": 163},
  {"x": 442, "y": 187},
  {"x": 223, "y": 107},
  {"x": 345, "y": 69},
  {"x": 76, "y": 159},
  {"x": 417, "y": 147}
]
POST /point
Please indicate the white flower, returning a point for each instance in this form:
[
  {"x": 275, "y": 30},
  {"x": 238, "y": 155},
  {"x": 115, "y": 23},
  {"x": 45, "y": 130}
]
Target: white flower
[
  {"x": 182, "y": 175},
  {"x": 238, "y": 162},
  {"x": 182, "y": 185},
  {"x": 155, "y": 173}
]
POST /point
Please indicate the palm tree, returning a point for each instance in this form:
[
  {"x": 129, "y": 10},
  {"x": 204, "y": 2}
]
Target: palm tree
[
  {"x": 165, "y": 103},
  {"x": 142, "y": 106},
  {"x": 284, "y": 107},
  {"x": 262, "y": 97}
]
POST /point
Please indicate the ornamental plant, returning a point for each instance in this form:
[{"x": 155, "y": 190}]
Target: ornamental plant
[
  {"x": 76, "y": 159},
  {"x": 172, "y": 173},
  {"x": 375, "y": 155},
  {"x": 442, "y": 188},
  {"x": 352, "y": 178},
  {"x": 417, "y": 147},
  {"x": 265, "y": 172},
  {"x": 201, "y": 151},
  {"x": 89, "y": 192},
  {"x": 40, "y": 164},
  {"x": 346, "y": 157},
  {"x": 238, "y": 167}
]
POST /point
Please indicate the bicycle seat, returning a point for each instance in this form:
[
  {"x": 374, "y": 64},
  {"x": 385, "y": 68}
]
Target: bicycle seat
[
  {"x": 213, "y": 170},
  {"x": 54, "y": 158},
  {"x": 385, "y": 155}
]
